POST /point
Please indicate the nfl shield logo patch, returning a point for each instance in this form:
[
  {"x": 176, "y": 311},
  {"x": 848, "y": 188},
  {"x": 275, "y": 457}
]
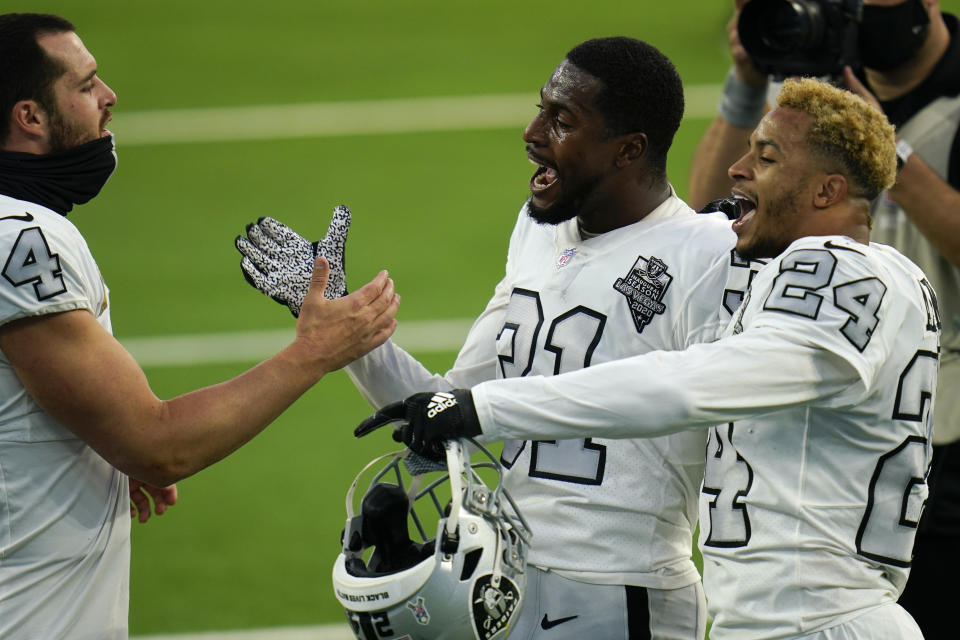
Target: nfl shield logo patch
[{"x": 565, "y": 257}]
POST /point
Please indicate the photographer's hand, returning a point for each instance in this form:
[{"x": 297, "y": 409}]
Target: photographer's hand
[{"x": 743, "y": 65}]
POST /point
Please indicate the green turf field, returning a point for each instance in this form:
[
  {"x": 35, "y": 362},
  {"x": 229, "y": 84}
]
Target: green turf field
[{"x": 254, "y": 537}]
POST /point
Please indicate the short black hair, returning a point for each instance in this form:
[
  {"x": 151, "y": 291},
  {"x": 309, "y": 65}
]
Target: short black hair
[
  {"x": 26, "y": 71},
  {"x": 641, "y": 90}
]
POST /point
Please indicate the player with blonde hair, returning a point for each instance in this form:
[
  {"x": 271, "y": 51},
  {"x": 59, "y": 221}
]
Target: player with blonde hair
[
  {"x": 845, "y": 129},
  {"x": 909, "y": 56},
  {"x": 823, "y": 386},
  {"x": 604, "y": 262}
]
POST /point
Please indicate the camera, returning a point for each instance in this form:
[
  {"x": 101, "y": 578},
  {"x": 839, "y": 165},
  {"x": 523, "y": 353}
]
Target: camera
[{"x": 801, "y": 37}]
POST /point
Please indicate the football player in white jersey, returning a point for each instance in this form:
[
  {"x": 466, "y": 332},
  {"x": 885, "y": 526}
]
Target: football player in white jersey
[
  {"x": 604, "y": 262},
  {"x": 909, "y": 55},
  {"x": 823, "y": 386},
  {"x": 76, "y": 413}
]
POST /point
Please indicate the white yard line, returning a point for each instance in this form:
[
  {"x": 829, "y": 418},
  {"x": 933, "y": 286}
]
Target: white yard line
[
  {"x": 253, "y": 346},
  {"x": 319, "y": 632},
  {"x": 270, "y": 122}
]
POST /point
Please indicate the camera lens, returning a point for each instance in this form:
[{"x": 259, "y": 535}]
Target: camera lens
[
  {"x": 790, "y": 25},
  {"x": 800, "y": 37}
]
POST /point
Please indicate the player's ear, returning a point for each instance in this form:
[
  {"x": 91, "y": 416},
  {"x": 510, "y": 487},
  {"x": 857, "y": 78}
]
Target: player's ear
[
  {"x": 831, "y": 189},
  {"x": 28, "y": 118},
  {"x": 632, "y": 147}
]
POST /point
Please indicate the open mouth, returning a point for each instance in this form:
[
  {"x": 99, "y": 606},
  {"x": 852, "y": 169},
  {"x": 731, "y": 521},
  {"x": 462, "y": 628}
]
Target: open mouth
[
  {"x": 748, "y": 208},
  {"x": 544, "y": 177}
]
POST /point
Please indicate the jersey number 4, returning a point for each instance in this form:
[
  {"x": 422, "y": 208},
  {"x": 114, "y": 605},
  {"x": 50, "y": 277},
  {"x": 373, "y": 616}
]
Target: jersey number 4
[
  {"x": 570, "y": 340},
  {"x": 30, "y": 262}
]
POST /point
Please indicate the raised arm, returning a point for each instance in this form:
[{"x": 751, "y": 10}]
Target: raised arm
[
  {"x": 742, "y": 106},
  {"x": 664, "y": 391},
  {"x": 84, "y": 378},
  {"x": 643, "y": 396}
]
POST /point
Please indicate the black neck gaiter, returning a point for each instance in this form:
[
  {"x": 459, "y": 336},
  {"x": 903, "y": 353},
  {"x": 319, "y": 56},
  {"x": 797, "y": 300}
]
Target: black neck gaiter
[{"x": 58, "y": 180}]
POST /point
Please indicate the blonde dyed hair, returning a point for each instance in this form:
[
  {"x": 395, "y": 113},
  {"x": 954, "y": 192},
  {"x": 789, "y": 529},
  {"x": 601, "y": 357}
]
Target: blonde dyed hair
[{"x": 847, "y": 130}]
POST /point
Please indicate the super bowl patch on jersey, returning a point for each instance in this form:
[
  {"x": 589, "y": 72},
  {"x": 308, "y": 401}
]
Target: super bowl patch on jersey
[{"x": 644, "y": 287}]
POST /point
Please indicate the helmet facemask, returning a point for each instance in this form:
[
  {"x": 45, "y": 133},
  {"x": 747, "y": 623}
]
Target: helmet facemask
[{"x": 466, "y": 581}]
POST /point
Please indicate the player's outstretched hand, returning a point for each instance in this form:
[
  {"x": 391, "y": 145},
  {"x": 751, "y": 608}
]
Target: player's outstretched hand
[
  {"x": 425, "y": 420},
  {"x": 278, "y": 262},
  {"x": 336, "y": 332},
  {"x": 742, "y": 63}
]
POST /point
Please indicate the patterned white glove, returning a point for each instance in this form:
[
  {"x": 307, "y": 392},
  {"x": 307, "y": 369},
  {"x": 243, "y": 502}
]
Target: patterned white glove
[{"x": 279, "y": 263}]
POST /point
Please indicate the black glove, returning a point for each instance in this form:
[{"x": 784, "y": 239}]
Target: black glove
[
  {"x": 427, "y": 420},
  {"x": 278, "y": 262},
  {"x": 729, "y": 206}
]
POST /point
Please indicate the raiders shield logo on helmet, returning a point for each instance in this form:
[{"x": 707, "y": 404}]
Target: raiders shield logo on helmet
[{"x": 493, "y": 606}]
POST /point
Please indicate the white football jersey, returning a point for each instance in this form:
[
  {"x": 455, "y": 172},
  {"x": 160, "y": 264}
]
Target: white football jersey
[
  {"x": 610, "y": 512},
  {"x": 814, "y": 484},
  {"x": 64, "y": 517}
]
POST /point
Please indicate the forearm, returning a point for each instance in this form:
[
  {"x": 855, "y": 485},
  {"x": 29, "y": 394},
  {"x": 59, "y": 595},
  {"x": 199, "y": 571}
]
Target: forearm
[
  {"x": 931, "y": 204},
  {"x": 721, "y": 145},
  {"x": 162, "y": 441},
  {"x": 194, "y": 430},
  {"x": 389, "y": 373},
  {"x": 83, "y": 378},
  {"x": 661, "y": 392}
]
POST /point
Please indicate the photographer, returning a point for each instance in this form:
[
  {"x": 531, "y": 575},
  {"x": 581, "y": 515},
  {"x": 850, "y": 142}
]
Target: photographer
[{"x": 910, "y": 59}]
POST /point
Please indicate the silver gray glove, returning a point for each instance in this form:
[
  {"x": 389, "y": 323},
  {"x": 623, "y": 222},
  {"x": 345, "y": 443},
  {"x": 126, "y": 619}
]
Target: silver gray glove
[{"x": 279, "y": 263}]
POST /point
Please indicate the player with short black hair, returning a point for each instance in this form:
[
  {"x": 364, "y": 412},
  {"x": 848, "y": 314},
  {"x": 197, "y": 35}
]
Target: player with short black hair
[
  {"x": 631, "y": 71},
  {"x": 604, "y": 262},
  {"x": 822, "y": 386},
  {"x": 28, "y": 69}
]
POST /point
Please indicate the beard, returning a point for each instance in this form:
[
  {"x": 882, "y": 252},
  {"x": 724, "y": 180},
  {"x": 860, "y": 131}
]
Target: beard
[
  {"x": 566, "y": 207},
  {"x": 67, "y": 135},
  {"x": 775, "y": 240}
]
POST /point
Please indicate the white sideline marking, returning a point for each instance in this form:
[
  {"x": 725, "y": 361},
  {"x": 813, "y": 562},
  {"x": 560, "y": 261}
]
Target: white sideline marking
[
  {"x": 320, "y": 632},
  {"x": 362, "y": 117},
  {"x": 253, "y": 346}
]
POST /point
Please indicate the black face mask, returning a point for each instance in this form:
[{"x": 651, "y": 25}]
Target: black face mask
[
  {"x": 58, "y": 180},
  {"x": 890, "y": 36}
]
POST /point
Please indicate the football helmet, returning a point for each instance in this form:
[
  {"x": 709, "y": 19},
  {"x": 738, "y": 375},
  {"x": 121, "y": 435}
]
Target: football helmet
[{"x": 465, "y": 583}]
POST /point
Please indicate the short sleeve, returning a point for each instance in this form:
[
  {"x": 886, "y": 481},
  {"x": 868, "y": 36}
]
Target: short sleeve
[{"x": 43, "y": 271}]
